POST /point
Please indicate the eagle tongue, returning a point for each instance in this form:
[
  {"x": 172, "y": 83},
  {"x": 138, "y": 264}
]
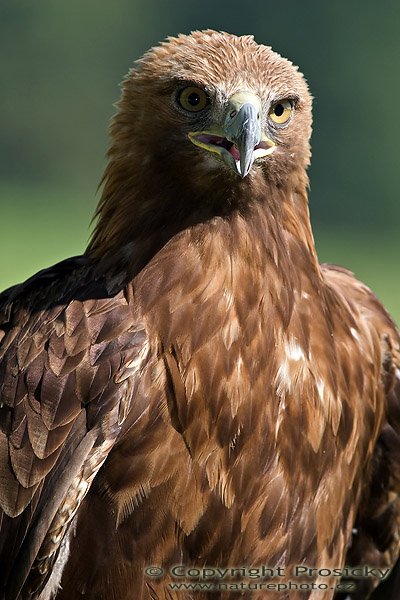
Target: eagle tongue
[{"x": 235, "y": 152}]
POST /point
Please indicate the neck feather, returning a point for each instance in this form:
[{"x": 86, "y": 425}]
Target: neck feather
[{"x": 137, "y": 215}]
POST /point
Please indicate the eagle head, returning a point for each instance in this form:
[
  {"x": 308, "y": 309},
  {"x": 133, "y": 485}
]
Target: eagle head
[
  {"x": 214, "y": 101},
  {"x": 206, "y": 123}
]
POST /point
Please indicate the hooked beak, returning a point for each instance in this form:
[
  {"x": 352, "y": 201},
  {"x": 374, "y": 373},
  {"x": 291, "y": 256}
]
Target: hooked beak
[{"x": 240, "y": 141}]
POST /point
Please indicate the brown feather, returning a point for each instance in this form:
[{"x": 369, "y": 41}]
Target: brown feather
[{"x": 196, "y": 389}]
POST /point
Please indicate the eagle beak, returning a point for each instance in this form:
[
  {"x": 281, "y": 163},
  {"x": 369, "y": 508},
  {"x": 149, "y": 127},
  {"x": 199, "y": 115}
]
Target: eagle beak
[{"x": 240, "y": 141}]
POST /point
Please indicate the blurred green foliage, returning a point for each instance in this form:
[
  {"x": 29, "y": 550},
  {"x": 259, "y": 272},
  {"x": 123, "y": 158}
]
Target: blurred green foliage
[{"x": 60, "y": 65}]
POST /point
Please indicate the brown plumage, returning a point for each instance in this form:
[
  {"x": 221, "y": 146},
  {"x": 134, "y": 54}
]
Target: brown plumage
[{"x": 196, "y": 389}]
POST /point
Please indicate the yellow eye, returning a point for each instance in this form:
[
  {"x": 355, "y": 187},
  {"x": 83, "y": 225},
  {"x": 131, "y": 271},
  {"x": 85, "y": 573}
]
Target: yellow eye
[
  {"x": 281, "y": 111},
  {"x": 193, "y": 99}
]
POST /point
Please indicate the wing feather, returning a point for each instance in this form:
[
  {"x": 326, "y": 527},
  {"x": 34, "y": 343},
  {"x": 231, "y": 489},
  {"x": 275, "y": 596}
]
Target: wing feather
[
  {"x": 65, "y": 361},
  {"x": 377, "y": 527}
]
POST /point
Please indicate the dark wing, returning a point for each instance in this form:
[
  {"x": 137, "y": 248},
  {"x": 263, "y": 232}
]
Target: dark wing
[
  {"x": 68, "y": 355},
  {"x": 377, "y": 528}
]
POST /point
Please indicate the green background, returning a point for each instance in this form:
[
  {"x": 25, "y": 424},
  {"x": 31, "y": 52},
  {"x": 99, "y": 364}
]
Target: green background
[{"x": 60, "y": 65}]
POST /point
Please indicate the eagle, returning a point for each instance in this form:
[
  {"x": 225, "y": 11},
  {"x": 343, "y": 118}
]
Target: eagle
[{"x": 196, "y": 398}]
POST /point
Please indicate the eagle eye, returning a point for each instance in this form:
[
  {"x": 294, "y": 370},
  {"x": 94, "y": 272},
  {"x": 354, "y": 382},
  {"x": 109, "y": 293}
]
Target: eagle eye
[
  {"x": 281, "y": 111},
  {"x": 193, "y": 99}
]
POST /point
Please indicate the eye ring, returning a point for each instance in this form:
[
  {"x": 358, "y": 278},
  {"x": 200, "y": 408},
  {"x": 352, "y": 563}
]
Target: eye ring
[
  {"x": 281, "y": 112},
  {"x": 193, "y": 98}
]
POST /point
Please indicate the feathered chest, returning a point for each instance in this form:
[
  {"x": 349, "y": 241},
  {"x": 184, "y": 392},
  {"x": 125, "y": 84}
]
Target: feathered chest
[
  {"x": 244, "y": 369},
  {"x": 257, "y": 352},
  {"x": 268, "y": 403}
]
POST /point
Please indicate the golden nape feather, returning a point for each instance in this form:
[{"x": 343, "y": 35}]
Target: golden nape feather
[{"x": 196, "y": 408}]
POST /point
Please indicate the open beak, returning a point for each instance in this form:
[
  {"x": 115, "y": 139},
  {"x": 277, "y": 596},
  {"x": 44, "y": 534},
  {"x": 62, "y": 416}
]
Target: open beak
[{"x": 240, "y": 141}]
